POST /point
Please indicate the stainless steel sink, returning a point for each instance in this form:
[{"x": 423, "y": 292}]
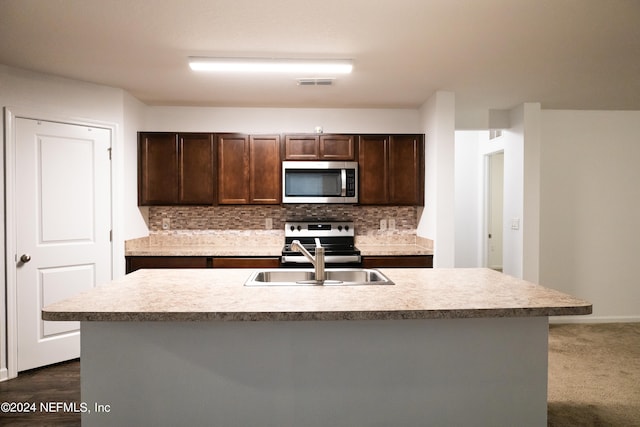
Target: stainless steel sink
[{"x": 306, "y": 277}]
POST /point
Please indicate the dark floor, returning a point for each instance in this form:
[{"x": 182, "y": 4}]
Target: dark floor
[{"x": 49, "y": 396}]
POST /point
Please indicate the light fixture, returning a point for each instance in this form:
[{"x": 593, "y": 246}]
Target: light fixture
[{"x": 272, "y": 65}]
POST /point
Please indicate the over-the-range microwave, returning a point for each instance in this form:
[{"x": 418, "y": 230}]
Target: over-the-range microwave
[{"x": 319, "y": 182}]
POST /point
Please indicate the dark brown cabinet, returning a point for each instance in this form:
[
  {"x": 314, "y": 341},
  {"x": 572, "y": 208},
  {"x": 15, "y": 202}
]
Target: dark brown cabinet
[
  {"x": 135, "y": 262},
  {"x": 249, "y": 170},
  {"x": 247, "y": 262},
  {"x": 373, "y": 170},
  {"x": 402, "y": 261},
  {"x": 391, "y": 169},
  {"x": 319, "y": 147},
  {"x": 176, "y": 168}
]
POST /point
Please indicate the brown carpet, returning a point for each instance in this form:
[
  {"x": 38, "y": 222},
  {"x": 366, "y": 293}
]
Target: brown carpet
[{"x": 594, "y": 375}]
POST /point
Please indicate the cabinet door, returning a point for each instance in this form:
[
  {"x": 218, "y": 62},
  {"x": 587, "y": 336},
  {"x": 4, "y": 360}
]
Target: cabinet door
[
  {"x": 252, "y": 262},
  {"x": 134, "y": 263},
  {"x": 196, "y": 167},
  {"x": 337, "y": 147},
  {"x": 157, "y": 169},
  {"x": 265, "y": 171},
  {"x": 372, "y": 169},
  {"x": 407, "y": 261},
  {"x": 233, "y": 169},
  {"x": 405, "y": 170},
  {"x": 301, "y": 147}
]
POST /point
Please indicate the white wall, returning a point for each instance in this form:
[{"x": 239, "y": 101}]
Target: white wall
[
  {"x": 531, "y": 192},
  {"x": 280, "y": 120},
  {"x": 512, "y": 244},
  {"x": 437, "y": 221},
  {"x": 521, "y": 145},
  {"x": 579, "y": 204},
  {"x": 469, "y": 207},
  {"x": 472, "y": 147},
  {"x": 59, "y": 96},
  {"x": 590, "y": 207},
  {"x": 134, "y": 218}
]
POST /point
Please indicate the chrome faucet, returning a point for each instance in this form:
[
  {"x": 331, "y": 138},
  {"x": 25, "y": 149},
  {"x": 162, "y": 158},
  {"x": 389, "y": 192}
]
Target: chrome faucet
[{"x": 317, "y": 261}]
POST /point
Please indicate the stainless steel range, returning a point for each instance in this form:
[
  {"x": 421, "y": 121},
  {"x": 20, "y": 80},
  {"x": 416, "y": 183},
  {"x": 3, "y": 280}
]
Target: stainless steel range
[{"x": 336, "y": 237}]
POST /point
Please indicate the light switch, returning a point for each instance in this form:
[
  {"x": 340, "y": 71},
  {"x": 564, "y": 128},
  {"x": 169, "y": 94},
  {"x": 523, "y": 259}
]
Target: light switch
[
  {"x": 392, "y": 223},
  {"x": 268, "y": 223},
  {"x": 515, "y": 224},
  {"x": 383, "y": 224}
]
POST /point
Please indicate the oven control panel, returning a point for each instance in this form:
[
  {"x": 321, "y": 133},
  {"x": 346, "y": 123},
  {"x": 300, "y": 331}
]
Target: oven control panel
[{"x": 319, "y": 229}]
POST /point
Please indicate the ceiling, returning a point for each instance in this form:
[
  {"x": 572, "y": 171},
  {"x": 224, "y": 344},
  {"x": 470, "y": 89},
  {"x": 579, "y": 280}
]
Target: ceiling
[{"x": 493, "y": 54}]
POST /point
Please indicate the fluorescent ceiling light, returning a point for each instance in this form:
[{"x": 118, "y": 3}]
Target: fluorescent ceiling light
[{"x": 272, "y": 65}]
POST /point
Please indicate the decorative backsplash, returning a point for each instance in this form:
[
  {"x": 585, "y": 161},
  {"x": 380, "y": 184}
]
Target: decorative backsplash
[{"x": 225, "y": 218}]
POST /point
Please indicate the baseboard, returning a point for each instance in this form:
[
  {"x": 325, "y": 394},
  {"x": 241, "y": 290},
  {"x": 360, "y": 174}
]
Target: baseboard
[
  {"x": 4, "y": 374},
  {"x": 594, "y": 319}
]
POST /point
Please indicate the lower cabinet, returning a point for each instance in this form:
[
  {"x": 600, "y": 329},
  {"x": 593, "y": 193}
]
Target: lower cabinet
[
  {"x": 237, "y": 262},
  {"x": 134, "y": 263},
  {"x": 401, "y": 261}
]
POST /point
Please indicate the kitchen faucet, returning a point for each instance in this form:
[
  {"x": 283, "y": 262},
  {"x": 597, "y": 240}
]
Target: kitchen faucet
[{"x": 317, "y": 261}]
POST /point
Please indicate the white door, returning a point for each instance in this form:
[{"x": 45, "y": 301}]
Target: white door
[
  {"x": 496, "y": 196},
  {"x": 63, "y": 226}
]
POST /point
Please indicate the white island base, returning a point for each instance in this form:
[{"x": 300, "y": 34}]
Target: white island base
[{"x": 428, "y": 372}]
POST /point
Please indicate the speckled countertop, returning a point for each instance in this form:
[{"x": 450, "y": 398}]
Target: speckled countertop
[
  {"x": 207, "y": 250},
  {"x": 219, "y": 294},
  {"x": 267, "y": 250},
  {"x": 261, "y": 245},
  {"x": 393, "y": 250}
]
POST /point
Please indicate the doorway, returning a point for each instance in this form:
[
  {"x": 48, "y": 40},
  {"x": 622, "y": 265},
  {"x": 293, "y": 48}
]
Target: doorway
[
  {"x": 59, "y": 232},
  {"x": 494, "y": 202}
]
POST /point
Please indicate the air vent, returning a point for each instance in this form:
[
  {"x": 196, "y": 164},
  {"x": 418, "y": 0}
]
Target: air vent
[{"x": 316, "y": 82}]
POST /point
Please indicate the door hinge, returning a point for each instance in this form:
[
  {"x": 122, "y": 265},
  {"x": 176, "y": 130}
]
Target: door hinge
[
  {"x": 111, "y": 235},
  {"x": 109, "y": 150}
]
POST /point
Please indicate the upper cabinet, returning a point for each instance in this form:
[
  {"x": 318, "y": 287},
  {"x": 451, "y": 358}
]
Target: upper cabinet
[
  {"x": 391, "y": 169},
  {"x": 373, "y": 169},
  {"x": 319, "y": 147},
  {"x": 249, "y": 169},
  {"x": 234, "y": 168},
  {"x": 176, "y": 168}
]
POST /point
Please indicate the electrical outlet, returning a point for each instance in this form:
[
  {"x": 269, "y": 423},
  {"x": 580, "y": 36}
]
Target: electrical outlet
[
  {"x": 392, "y": 223},
  {"x": 268, "y": 223},
  {"x": 166, "y": 223},
  {"x": 383, "y": 224},
  {"x": 515, "y": 224}
]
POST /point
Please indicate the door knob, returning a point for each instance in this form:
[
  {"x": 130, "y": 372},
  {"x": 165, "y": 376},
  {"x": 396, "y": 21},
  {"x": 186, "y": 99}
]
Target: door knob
[{"x": 25, "y": 258}]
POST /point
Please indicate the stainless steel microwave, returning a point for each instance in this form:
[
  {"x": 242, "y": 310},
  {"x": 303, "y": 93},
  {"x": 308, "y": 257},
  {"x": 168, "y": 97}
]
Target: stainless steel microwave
[{"x": 319, "y": 182}]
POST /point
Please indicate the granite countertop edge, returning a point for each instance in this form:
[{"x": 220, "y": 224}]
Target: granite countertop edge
[
  {"x": 268, "y": 251},
  {"x": 312, "y": 316}
]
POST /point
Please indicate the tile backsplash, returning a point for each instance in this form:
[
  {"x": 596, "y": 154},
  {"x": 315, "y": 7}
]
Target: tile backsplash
[{"x": 204, "y": 219}]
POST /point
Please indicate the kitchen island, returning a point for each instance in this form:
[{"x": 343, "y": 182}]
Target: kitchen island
[{"x": 196, "y": 347}]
